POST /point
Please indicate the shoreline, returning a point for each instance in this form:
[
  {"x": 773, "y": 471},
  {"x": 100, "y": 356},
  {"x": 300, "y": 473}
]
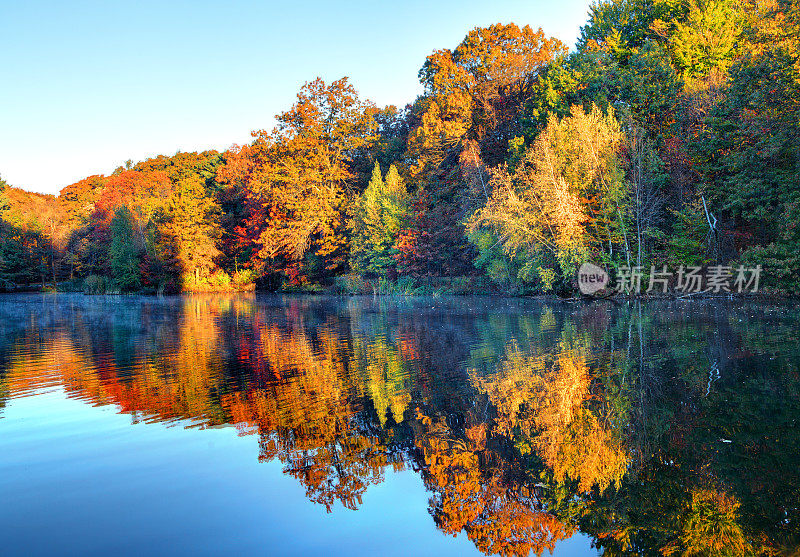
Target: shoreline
[{"x": 424, "y": 293}]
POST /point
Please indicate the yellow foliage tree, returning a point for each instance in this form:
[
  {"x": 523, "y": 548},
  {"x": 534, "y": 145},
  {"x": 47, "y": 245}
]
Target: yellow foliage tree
[{"x": 566, "y": 198}]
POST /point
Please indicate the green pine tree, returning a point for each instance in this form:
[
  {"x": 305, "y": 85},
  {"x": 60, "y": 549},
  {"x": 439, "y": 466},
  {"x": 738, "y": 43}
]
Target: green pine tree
[{"x": 123, "y": 252}]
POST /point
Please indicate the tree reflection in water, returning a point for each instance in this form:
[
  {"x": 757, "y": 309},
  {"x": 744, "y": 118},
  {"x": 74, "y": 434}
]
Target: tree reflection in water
[{"x": 660, "y": 429}]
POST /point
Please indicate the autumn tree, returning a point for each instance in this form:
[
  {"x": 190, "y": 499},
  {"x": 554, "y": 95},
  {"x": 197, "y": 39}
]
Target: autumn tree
[
  {"x": 708, "y": 38},
  {"x": 472, "y": 94},
  {"x": 379, "y": 214},
  {"x": 467, "y": 89},
  {"x": 79, "y": 199},
  {"x": 297, "y": 179},
  {"x": 566, "y": 201},
  {"x": 191, "y": 219}
]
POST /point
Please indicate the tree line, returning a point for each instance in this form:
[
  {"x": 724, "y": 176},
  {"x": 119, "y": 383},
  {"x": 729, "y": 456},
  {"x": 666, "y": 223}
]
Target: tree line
[{"x": 668, "y": 136}]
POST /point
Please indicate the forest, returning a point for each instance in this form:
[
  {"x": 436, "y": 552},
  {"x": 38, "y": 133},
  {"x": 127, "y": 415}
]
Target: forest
[{"x": 668, "y": 136}]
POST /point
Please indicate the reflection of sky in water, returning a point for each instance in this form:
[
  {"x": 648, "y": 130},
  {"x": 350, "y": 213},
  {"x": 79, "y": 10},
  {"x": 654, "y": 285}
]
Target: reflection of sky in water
[
  {"x": 495, "y": 420},
  {"x": 80, "y": 480}
]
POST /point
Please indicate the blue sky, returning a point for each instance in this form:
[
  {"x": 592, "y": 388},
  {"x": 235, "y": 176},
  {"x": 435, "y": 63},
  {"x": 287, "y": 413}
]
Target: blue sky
[{"x": 85, "y": 86}]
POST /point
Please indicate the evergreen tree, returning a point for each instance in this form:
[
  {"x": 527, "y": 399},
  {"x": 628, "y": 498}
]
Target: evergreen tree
[{"x": 123, "y": 253}]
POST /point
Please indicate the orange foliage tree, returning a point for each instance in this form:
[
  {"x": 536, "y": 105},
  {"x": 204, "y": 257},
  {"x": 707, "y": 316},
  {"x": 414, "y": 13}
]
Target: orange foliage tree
[{"x": 298, "y": 178}]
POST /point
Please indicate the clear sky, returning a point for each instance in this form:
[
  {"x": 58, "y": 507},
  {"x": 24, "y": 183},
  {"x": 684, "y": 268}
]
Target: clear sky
[{"x": 85, "y": 86}]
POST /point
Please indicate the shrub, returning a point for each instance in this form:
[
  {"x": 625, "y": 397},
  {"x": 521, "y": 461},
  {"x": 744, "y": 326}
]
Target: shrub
[{"x": 94, "y": 284}]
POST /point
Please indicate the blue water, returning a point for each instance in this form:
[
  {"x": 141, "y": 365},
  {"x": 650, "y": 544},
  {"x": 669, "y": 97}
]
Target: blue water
[{"x": 427, "y": 426}]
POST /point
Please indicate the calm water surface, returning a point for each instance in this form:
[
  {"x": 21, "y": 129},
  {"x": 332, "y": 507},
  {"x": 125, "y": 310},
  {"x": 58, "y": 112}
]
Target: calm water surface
[{"x": 426, "y": 426}]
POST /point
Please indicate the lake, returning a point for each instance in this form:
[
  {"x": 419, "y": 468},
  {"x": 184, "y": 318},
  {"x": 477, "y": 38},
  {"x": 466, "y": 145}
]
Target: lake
[{"x": 295, "y": 425}]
